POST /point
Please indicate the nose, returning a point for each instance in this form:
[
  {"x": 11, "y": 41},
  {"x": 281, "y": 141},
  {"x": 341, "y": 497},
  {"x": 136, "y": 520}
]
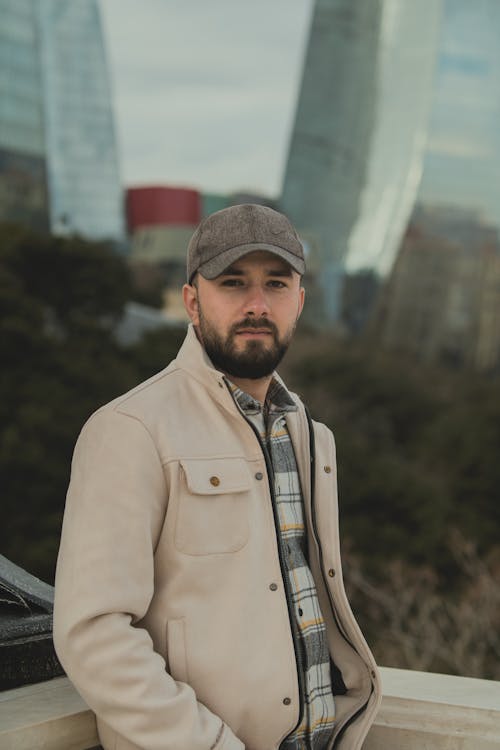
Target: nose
[{"x": 256, "y": 303}]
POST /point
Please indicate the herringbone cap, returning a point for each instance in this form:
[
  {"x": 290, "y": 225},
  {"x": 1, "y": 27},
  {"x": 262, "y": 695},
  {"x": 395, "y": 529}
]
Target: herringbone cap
[{"x": 225, "y": 236}]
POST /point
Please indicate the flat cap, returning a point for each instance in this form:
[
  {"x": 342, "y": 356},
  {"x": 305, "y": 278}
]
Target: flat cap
[{"x": 225, "y": 236}]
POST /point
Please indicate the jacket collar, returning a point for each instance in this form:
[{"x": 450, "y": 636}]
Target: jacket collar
[{"x": 193, "y": 359}]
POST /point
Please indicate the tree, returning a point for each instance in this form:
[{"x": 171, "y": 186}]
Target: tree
[
  {"x": 417, "y": 449},
  {"x": 59, "y": 299}
]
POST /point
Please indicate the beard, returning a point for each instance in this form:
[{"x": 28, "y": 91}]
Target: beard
[{"x": 256, "y": 360}]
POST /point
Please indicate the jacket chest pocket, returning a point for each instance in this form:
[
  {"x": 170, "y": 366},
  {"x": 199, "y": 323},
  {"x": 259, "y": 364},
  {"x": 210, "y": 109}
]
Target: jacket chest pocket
[{"x": 212, "y": 509}]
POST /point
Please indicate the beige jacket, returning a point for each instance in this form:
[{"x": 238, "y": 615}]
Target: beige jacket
[{"x": 166, "y": 618}]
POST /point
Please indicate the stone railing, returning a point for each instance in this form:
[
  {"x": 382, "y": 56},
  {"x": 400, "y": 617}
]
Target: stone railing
[
  {"x": 423, "y": 711},
  {"x": 419, "y": 710}
]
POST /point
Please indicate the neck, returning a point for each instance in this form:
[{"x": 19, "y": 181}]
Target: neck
[{"x": 255, "y": 388}]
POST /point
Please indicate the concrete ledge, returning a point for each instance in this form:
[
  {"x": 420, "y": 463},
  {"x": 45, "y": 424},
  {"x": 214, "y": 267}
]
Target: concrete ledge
[
  {"x": 423, "y": 710},
  {"x": 420, "y": 711},
  {"x": 49, "y": 715}
]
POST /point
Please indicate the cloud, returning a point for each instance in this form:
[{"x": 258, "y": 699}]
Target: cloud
[
  {"x": 455, "y": 147},
  {"x": 206, "y": 91}
]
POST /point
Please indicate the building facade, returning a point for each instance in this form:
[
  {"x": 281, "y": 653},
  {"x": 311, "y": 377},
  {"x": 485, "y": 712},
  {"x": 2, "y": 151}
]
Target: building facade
[
  {"x": 458, "y": 215},
  {"x": 23, "y": 172},
  {"x": 83, "y": 176},
  {"x": 160, "y": 221},
  {"x": 353, "y": 163},
  {"x": 58, "y": 154},
  {"x": 442, "y": 299},
  {"x": 461, "y": 164},
  {"x": 330, "y": 141}
]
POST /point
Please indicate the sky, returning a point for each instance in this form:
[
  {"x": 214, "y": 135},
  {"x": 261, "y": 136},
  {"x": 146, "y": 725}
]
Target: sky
[{"x": 205, "y": 91}]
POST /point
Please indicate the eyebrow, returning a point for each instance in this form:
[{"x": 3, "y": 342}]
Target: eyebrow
[{"x": 285, "y": 272}]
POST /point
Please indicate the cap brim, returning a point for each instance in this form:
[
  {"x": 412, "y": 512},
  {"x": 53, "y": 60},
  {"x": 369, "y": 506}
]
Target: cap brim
[{"x": 214, "y": 267}]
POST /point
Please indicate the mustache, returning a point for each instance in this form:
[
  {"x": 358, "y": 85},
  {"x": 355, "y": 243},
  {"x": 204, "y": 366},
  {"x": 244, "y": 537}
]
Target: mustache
[{"x": 254, "y": 323}]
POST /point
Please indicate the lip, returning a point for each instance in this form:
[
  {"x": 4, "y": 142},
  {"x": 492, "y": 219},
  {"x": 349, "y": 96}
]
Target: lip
[{"x": 254, "y": 332}]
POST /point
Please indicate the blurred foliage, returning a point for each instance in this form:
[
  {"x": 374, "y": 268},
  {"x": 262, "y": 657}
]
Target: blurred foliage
[
  {"x": 149, "y": 280},
  {"x": 59, "y": 301},
  {"x": 417, "y": 450},
  {"x": 60, "y": 274},
  {"x": 411, "y": 624}
]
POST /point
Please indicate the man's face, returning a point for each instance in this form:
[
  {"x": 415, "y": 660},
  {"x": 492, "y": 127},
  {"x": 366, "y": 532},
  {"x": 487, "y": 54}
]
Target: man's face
[{"x": 245, "y": 317}]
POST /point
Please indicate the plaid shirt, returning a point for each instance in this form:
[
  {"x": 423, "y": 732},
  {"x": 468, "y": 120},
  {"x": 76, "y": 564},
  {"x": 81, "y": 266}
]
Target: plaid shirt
[{"x": 317, "y": 721}]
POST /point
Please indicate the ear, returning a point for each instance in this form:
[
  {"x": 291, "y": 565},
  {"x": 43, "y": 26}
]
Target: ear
[
  {"x": 302, "y": 295},
  {"x": 190, "y": 299}
]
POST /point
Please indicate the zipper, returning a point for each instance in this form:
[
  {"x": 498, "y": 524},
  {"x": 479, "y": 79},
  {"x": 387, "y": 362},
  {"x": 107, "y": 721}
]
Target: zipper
[
  {"x": 284, "y": 572},
  {"x": 312, "y": 453}
]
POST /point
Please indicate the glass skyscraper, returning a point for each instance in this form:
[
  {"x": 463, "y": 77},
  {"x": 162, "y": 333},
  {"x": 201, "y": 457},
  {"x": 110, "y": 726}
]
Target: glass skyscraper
[
  {"x": 334, "y": 120},
  {"x": 442, "y": 300},
  {"x": 23, "y": 178},
  {"x": 55, "y": 114},
  {"x": 84, "y": 185},
  {"x": 354, "y": 159},
  {"x": 461, "y": 165}
]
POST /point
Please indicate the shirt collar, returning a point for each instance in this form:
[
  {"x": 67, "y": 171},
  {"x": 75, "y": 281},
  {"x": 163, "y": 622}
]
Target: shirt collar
[{"x": 278, "y": 399}]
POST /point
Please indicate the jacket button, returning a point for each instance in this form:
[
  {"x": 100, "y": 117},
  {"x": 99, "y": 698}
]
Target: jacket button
[
  {"x": 331, "y": 573},
  {"x": 273, "y": 586},
  {"x": 215, "y": 481},
  {"x": 259, "y": 475},
  {"x": 327, "y": 469},
  {"x": 287, "y": 701}
]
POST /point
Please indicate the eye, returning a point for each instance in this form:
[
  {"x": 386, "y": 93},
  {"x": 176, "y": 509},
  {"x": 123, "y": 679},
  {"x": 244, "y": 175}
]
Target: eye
[{"x": 277, "y": 284}]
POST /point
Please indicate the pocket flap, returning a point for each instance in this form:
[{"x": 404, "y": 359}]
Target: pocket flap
[{"x": 216, "y": 476}]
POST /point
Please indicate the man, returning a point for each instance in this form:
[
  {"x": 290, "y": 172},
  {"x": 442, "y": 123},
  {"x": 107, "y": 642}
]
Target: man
[{"x": 199, "y": 596}]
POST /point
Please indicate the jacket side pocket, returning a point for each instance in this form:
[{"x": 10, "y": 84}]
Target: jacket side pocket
[{"x": 176, "y": 649}]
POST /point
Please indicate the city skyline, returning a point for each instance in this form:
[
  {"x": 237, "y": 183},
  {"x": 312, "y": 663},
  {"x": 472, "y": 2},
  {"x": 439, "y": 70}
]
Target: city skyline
[{"x": 206, "y": 98}]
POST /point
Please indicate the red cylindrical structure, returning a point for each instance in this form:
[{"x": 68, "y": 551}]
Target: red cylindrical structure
[{"x": 150, "y": 206}]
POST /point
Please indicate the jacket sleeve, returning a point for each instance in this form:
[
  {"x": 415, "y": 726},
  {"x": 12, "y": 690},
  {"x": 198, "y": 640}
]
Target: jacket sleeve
[{"x": 104, "y": 584}]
